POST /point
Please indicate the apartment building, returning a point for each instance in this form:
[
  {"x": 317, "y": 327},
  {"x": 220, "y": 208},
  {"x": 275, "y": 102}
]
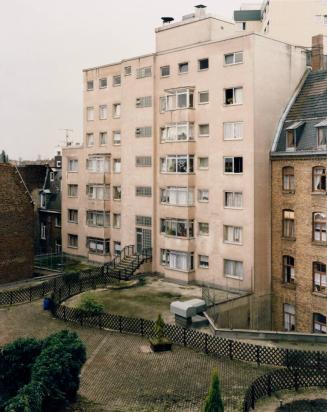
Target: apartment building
[
  {"x": 291, "y": 21},
  {"x": 175, "y": 154},
  {"x": 299, "y": 208}
]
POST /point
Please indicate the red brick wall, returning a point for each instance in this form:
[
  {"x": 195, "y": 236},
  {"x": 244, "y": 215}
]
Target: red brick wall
[{"x": 16, "y": 227}]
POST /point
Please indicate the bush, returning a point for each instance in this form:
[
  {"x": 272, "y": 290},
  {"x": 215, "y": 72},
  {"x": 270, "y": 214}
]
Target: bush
[
  {"x": 54, "y": 375},
  {"x": 16, "y": 363},
  {"x": 70, "y": 277},
  {"x": 90, "y": 306},
  {"x": 213, "y": 402}
]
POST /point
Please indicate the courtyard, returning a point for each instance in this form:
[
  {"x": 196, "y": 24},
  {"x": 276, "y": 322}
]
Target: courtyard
[{"x": 120, "y": 371}]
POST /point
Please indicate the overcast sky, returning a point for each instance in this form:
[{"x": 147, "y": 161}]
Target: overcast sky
[{"x": 44, "y": 46}]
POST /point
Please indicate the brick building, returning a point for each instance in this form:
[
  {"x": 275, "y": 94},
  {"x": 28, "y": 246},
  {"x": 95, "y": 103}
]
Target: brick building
[
  {"x": 299, "y": 210},
  {"x": 16, "y": 226}
]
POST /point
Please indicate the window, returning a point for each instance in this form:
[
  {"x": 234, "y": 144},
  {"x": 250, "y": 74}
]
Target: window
[
  {"x": 117, "y": 248},
  {"x": 116, "y": 80},
  {"x": 233, "y": 269},
  {"x": 289, "y": 317},
  {"x": 73, "y": 241},
  {"x": 288, "y": 224},
  {"x": 116, "y": 109},
  {"x": 143, "y": 191},
  {"x": 177, "y": 99},
  {"x": 72, "y": 190},
  {"x": 97, "y": 218},
  {"x": 165, "y": 71},
  {"x": 116, "y": 220},
  {"x": 181, "y": 196},
  {"x": 233, "y": 130},
  {"x": 319, "y": 323},
  {"x": 233, "y": 165},
  {"x": 319, "y": 178},
  {"x": 203, "y": 163},
  {"x": 233, "y": 234},
  {"x": 320, "y": 227},
  {"x": 143, "y": 131},
  {"x": 322, "y": 137},
  {"x": 203, "y": 262},
  {"x": 177, "y": 228},
  {"x": 288, "y": 269},
  {"x": 90, "y": 114},
  {"x": 52, "y": 176},
  {"x": 116, "y": 138},
  {"x": 142, "y": 102},
  {"x": 128, "y": 70},
  {"x": 98, "y": 192},
  {"x": 203, "y": 229},
  {"x": 117, "y": 165},
  {"x": 103, "y": 137},
  {"x": 143, "y": 221},
  {"x": 177, "y": 164},
  {"x": 98, "y": 246},
  {"x": 319, "y": 277},
  {"x": 90, "y": 85},
  {"x": 43, "y": 231},
  {"x": 288, "y": 179},
  {"x": 103, "y": 112},
  {"x": 233, "y": 58},
  {"x": 143, "y": 161},
  {"x": 203, "y": 130},
  {"x": 72, "y": 215},
  {"x": 175, "y": 260},
  {"x": 290, "y": 140},
  {"x": 117, "y": 192},
  {"x": 89, "y": 139},
  {"x": 177, "y": 132},
  {"x": 241, "y": 26},
  {"x": 103, "y": 83},
  {"x": 203, "y": 64},
  {"x": 203, "y": 97},
  {"x": 203, "y": 195},
  {"x": 183, "y": 67},
  {"x": 144, "y": 72},
  {"x": 43, "y": 200},
  {"x": 97, "y": 164},
  {"x": 58, "y": 163},
  {"x": 234, "y": 96},
  {"x": 233, "y": 200},
  {"x": 72, "y": 165},
  {"x": 58, "y": 221}
]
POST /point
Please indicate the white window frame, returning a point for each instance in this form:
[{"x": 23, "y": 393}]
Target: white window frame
[
  {"x": 199, "y": 128},
  {"x": 75, "y": 213},
  {"x": 171, "y": 102},
  {"x": 103, "y": 112},
  {"x": 116, "y": 221},
  {"x": 234, "y": 193},
  {"x": 234, "y": 264},
  {"x": 43, "y": 234},
  {"x": 199, "y": 64},
  {"x": 161, "y": 71},
  {"x": 89, "y": 139},
  {"x": 201, "y": 197},
  {"x": 69, "y": 187},
  {"x": 172, "y": 132},
  {"x": 199, "y": 163},
  {"x": 164, "y": 161},
  {"x": 103, "y": 83},
  {"x": 103, "y": 138},
  {"x": 234, "y": 62},
  {"x": 98, "y": 164},
  {"x": 90, "y": 113},
  {"x": 203, "y": 261},
  {"x": 116, "y": 113},
  {"x": 237, "y": 233},
  {"x": 234, "y": 89},
  {"x": 70, "y": 236},
  {"x": 177, "y": 196},
  {"x": 180, "y": 65},
  {"x": 233, "y": 163},
  {"x": 201, "y": 93},
  {"x": 115, "y": 140},
  {"x": 236, "y": 130},
  {"x": 116, "y": 80}
]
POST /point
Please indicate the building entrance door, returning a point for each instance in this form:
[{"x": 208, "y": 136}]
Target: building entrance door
[{"x": 143, "y": 239}]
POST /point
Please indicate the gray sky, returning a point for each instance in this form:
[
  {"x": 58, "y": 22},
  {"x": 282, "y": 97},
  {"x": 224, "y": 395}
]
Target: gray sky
[{"x": 46, "y": 44}]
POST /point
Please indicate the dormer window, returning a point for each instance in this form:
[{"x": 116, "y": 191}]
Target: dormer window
[
  {"x": 322, "y": 134},
  {"x": 291, "y": 136}
]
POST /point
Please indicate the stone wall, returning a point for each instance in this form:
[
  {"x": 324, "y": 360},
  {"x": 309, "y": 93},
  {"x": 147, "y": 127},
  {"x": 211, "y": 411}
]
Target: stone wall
[{"x": 16, "y": 227}]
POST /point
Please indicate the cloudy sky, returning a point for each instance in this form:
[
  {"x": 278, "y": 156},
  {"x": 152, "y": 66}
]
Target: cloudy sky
[{"x": 44, "y": 46}]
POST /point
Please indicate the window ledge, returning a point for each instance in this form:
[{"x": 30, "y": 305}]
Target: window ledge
[
  {"x": 291, "y": 286},
  {"x": 177, "y": 237},
  {"x": 226, "y": 242},
  {"x": 173, "y": 204},
  {"x": 178, "y": 270},
  {"x": 178, "y": 173},
  {"x": 233, "y": 277},
  {"x": 203, "y": 267},
  {"x": 320, "y": 294},
  {"x": 72, "y": 247},
  {"x": 288, "y": 192},
  {"x": 290, "y": 239},
  {"x": 322, "y": 193},
  {"x": 317, "y": 243},
  {"x": 178, "y": 141},
  {"x": 232, "y": 104}
]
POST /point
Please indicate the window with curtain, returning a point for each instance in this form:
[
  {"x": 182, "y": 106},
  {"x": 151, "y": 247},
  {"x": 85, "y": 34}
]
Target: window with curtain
[
  {"x": 320, "y": 227},
  {"x": 319, "y": 179}
]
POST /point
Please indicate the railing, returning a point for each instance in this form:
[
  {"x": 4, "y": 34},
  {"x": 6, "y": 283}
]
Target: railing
[
  {"x": 126, "y": 251},
  {"x": 289, "y": 379}
]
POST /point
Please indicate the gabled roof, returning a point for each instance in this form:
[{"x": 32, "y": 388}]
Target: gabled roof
[{"x": 308, "y": 112}]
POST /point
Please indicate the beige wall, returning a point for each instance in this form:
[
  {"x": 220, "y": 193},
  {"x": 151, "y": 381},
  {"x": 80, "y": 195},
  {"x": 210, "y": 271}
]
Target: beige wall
[{"x": 268, "y": 75}]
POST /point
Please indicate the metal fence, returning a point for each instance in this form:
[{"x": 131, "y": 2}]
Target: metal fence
[{"x": 291, "y": 379}]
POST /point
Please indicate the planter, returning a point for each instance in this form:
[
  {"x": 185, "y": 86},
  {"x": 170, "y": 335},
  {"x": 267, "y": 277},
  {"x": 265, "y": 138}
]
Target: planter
[{"x": 162, "y": 345}]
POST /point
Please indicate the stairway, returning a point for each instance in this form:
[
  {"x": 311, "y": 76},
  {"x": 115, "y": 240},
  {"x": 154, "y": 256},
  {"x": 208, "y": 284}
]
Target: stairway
[{"x": 124, "y": 266}]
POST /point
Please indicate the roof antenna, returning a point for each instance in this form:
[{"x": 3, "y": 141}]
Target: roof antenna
[{"x": 68, "y": 140}]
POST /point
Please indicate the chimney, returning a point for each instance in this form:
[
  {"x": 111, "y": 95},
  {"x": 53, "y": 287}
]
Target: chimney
[
  {"x": 200, "y": 10},
  {"x": 319, "y": 53}
]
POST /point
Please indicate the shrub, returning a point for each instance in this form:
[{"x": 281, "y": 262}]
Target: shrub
[
  {"x": 70, "y": 277},
  {"x": 90, "y": 305},
  {"x": 213, "y": 402},
  {"x": 16, "y": 361},
  {"x": 28, "y": 399},
  {"x": 159, "y": 328}
]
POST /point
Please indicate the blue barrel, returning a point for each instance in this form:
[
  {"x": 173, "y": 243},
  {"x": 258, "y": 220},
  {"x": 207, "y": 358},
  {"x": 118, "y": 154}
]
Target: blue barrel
[{"x": 46, "y": 304}]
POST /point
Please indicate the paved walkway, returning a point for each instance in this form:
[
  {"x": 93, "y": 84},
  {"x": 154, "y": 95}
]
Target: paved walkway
[{"x": 121, "y": 374}]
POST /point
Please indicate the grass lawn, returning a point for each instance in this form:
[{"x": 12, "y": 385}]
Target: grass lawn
[{"x": 145, "y": 301}]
